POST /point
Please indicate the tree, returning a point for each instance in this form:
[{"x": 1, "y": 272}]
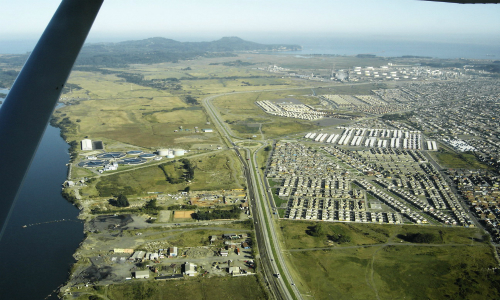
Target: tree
[
  {"x": 267, "y": 148},
  {"x": 122, "y": 201},
  {"x": 316, "y": 230},
  {"x": 151, "y": 205}
]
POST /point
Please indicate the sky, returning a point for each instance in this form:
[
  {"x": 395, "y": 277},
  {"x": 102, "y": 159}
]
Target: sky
[{"x": 265, "y": 20}]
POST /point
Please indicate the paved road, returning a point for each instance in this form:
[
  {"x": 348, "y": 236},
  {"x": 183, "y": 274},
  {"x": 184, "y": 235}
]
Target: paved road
[
  {"x": 266, "y": 237},
  {"x": 266, "y": 211}
]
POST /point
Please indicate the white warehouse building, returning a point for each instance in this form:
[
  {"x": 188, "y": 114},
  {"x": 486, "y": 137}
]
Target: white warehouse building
[{"x": 86, "y": 145}]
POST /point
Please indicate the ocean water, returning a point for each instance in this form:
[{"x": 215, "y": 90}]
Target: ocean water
[
  {"x": 390, "y": 48},
  {"x": 476, "y": 48}
]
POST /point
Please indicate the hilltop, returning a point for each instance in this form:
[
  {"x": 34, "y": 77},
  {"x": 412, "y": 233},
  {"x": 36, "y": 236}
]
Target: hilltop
[
  {"x": 225, "y": 44},
  {"x": 153, "y": 50},
  {"x": 158, "y": 49}
]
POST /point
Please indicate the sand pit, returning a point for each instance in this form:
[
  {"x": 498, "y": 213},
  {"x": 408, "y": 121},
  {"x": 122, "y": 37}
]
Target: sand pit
[{"x": 186, "y": 214}]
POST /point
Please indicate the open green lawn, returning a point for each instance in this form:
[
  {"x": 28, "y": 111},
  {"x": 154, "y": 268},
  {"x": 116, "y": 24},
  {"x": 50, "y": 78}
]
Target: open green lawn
[{"x": 455, "y": 266}]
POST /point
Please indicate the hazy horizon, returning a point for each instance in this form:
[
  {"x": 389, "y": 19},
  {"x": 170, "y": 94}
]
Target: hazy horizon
[
  {"x": 262, "y": 20},
  {"x": 25, "y": 44}
]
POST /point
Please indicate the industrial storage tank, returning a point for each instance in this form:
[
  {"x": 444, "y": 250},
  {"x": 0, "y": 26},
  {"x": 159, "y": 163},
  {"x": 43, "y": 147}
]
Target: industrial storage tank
[
  {"x": 163, "y": 152},
  {"x": 170, "y": 156},
  {"x": 178, "y": 152}
]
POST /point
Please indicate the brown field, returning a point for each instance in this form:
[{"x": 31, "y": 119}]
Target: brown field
[
  {"x": 183, "y": 214},
  {"x": 204, "y": 203}
]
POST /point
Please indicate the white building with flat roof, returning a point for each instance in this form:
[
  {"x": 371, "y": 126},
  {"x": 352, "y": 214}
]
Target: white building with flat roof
[
  {"x": 142, "y": 274},
  {"x": 190, "y": 269},
  {"x": 86, "y": 145}
]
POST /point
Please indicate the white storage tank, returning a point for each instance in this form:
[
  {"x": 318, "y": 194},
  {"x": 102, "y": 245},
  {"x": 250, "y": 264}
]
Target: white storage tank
[
  {"x": 170, "y": 156},
  {"x": 163, "y": 152},
  {"x": 178, "y": 152}
]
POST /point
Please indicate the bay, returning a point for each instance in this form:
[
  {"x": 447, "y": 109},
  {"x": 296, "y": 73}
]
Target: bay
[
  {"x": 393, "y": 48},
  {"x": 36, "y": 259}
]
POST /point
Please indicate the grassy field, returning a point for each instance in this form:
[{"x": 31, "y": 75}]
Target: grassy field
[
  {"x": 399, "y": 272},
  {"x": 263, "y": 156},
  {"x": 245, "y": 287},
  {"x": 244, "y": 116},
  {"x": 277, "y": 200},
  {"x": 450, "y": 159},
  {"x": 455, "y": 266},
  {"x": 110, "y": 108},
  {"x": 241, "y": 225},
  {"x": 189, "y": 238},
  {"x": 213, "y": 172}
]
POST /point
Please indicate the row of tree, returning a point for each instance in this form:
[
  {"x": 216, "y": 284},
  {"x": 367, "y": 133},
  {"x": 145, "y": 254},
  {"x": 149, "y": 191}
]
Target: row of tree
[{"x": 234, "y": 213}]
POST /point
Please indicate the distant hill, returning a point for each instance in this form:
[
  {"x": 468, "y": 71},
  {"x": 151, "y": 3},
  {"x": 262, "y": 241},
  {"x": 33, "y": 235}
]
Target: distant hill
[
  {"x": 225, "y": 44},
  {"x": 158, "y": 49}
]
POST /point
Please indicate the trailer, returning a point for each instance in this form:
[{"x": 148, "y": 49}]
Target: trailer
[
  {"x": 360, "y": 138},
  {"x": 342, "y": 138},
  {"x": 367, "y": 142},
  {"x": 330, "y": 138},
  {"x": 346, "y": 141}
]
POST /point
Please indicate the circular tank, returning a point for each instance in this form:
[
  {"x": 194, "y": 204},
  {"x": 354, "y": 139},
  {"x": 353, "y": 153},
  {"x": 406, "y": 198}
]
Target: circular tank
[
  {"x": 178, "y": 152},
  {"x": 170, "y": 156},
  {"x": 134, "y": 152},
  {"x": 163, "y": 152}
]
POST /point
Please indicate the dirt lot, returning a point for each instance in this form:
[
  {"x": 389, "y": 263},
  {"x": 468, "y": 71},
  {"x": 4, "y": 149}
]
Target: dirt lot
[
  {"x": 100, "y": 261},
  {"x": 183, "y": 214}
]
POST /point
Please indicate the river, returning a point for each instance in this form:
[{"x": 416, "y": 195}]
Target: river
[{"x": 35, "y": 260}]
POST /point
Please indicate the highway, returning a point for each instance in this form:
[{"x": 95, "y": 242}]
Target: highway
[{"x": 270, "y": 255}]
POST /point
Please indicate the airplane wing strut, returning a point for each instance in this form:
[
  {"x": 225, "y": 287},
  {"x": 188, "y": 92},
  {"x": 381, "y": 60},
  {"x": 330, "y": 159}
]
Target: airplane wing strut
[{"x": 26, "y": 111}]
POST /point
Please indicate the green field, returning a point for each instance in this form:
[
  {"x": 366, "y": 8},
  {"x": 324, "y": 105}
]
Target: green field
[
  {"x": 244, "y": 116},
  {"x": 376, "y": 263},
  {"x": 107, "y": 107},
  {"x": 215, "y": 171},
  {"x": 245, "y": 287},
  {"x": 454, "y": 160}
]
